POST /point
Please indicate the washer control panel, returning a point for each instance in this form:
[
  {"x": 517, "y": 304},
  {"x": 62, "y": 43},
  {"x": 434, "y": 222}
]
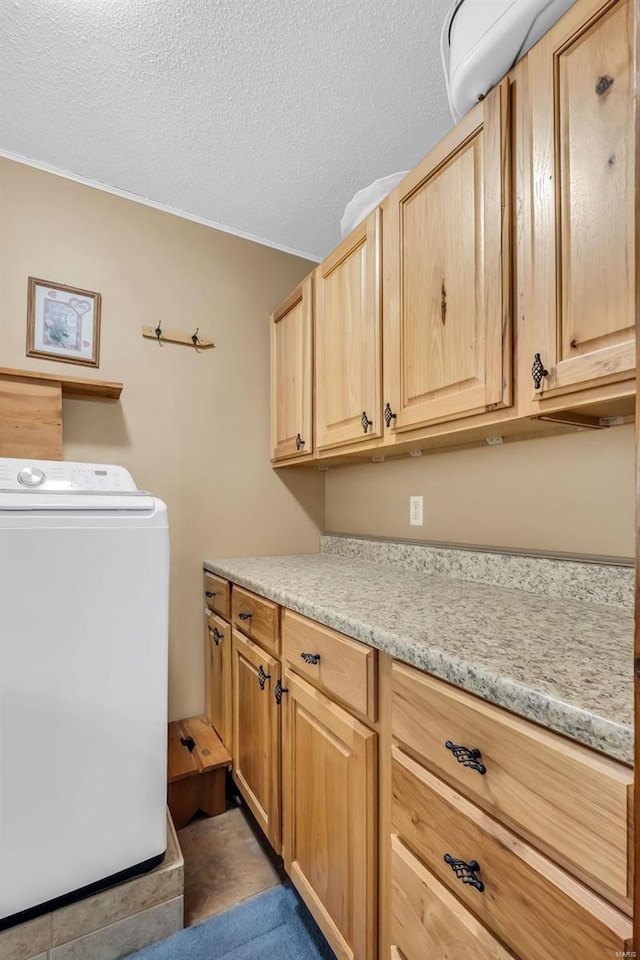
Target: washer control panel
[{"x": 62, "y": 475}]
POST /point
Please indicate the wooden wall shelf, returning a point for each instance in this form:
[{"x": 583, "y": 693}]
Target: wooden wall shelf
[{"x": 74, "y": 387}]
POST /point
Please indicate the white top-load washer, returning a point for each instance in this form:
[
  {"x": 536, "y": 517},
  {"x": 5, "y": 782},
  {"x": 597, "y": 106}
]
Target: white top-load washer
[{"x": 84, "y": 586}]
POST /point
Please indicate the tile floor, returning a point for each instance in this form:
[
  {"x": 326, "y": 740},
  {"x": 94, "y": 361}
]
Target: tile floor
[{"x": 224, "y": 864}]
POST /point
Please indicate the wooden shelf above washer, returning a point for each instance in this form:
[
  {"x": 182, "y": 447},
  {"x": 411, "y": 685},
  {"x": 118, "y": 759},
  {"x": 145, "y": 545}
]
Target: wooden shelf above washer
[{"x": 72, "y": 387}]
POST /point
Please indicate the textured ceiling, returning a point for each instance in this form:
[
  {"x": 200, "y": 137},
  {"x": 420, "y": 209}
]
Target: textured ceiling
[{"x": 262, "y": 116}]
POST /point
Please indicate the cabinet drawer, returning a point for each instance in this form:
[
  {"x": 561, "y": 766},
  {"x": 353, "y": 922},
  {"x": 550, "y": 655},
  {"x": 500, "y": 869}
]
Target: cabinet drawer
[
  {"x": 257, "y": 617},
  {"x": 428, "y": 921},
  {"x": 341, "y": 666},
  {"x": 217, "y": 594},
  {"x": 537, "y": 909},
  {"x": 570, "y": 800}
]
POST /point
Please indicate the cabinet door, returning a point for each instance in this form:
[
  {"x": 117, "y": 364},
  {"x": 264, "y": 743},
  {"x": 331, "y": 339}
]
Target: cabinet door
[
  {"x": 256, "y": 733},
  {"x": 218, "y": 677},
  {"x": 347, "y": 354},
  {"x": 329, "y": 804},
  {"x": 446, "y": 306},
  {"x": 292, "y": 375},
  {"x": 582, "y": 165}
]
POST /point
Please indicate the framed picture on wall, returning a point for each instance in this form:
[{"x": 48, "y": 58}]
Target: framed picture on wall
[{"x": 63, "y": 323}]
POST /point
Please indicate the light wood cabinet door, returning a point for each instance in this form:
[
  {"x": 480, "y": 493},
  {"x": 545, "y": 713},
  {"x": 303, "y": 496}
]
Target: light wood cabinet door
[
  {"x": 218, "y": 677},
  {"x": 446, "y": 291},
  {"x": 581, "y": 106},
  {"x": 292, "y": 375},
  {"x": 256, "y": 733},
  {"x": 329, "y": 804},
  {"x": 347, "y": 340}
]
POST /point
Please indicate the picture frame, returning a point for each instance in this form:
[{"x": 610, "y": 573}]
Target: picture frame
[{"x": 63, "y": 323}]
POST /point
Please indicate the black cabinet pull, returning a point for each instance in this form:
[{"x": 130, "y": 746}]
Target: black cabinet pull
[
  {"x": 467, "y": 757},
  {"x": 538, "y": 371},
  {"x": 217, "y": 636},
  {"x": 245, "y": 616},
  {"x": 312, "y": 658},
  {"x": 209, "y": 593},
  {"x": 279, "y": 690},
  {"x": 262, "y": 677},
  {"x": 389, "y": 415},
  {"x": 365, "y": 422},
  {"x": 465, "y": 871},
  {"x": 299, "y": 442}
]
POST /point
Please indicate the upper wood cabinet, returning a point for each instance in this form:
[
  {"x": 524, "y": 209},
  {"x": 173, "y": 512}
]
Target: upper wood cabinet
[
  {"x": 522, "y": 216},
  {"x": 347, "y": 340},
  {"x": 256, "y": 733},
  {"x": 329, "y": 807},
  {"x": 446, "y": 301},
  {"x": 292, "y": 375},
  {"x": 581, "y": 108}
]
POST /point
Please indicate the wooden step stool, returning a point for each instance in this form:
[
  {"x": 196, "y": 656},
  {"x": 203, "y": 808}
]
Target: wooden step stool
[{"x": 197, "y": 762}]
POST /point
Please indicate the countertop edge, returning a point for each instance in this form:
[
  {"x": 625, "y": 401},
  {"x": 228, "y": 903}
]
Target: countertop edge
[{"x": 614, "y": 740}]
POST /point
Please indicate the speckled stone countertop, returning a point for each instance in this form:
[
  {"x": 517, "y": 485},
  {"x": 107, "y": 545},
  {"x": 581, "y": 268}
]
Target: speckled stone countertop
[{"x": 564, "y": 663}]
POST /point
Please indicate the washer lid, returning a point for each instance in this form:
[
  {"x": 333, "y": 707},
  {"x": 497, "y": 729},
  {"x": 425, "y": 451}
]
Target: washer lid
[{"x": 64, "y": 500}]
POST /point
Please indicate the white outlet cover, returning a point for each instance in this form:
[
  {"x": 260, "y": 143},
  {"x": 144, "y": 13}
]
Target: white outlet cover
[{"x": 415, "y": 511}]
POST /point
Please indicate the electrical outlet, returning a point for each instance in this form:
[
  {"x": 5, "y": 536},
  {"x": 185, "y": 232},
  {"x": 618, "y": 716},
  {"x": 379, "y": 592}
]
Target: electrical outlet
[{"x": 415, "y": 511}]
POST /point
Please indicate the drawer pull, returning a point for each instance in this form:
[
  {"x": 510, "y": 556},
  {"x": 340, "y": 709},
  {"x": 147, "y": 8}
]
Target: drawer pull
[
  {"x": 209, "y": 593},
  {"x": 312, "y": 658},
  {"x": 465, "y": 871},
  {"x": 299, "y": 442},
  {"x": 279, "y": 690},
  {"x": 217, "y": 636},
  {"x": 468, "y": 758},
  {"x": 245, "y": 616},
  {"x": 262, "y": 677}
]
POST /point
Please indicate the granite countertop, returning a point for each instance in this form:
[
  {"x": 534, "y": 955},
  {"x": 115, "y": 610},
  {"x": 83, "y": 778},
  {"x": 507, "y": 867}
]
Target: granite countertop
[{"x": 566, "y": 664}]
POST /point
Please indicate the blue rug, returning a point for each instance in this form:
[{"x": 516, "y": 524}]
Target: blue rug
[{"x": 275, "y": 925}]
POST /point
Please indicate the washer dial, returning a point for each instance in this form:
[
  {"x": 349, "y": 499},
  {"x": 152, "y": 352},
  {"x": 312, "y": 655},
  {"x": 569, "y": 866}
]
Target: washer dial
[{"x": 31, "y": 477}]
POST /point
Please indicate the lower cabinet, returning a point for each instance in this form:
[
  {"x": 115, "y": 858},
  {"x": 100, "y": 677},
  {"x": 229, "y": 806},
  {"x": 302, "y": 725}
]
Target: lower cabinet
[
  {"x": 256, "y": 733},
  {"x": 427, "y": 921},
  {"x": 329, "y": 817},
  {"x": 525, "y": 852}
]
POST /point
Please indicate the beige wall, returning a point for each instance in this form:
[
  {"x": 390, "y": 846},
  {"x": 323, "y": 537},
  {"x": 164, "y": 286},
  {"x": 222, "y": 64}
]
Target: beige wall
[
  {"x": 571, "y": 493},
  {"x": 191, "y": 428}
]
